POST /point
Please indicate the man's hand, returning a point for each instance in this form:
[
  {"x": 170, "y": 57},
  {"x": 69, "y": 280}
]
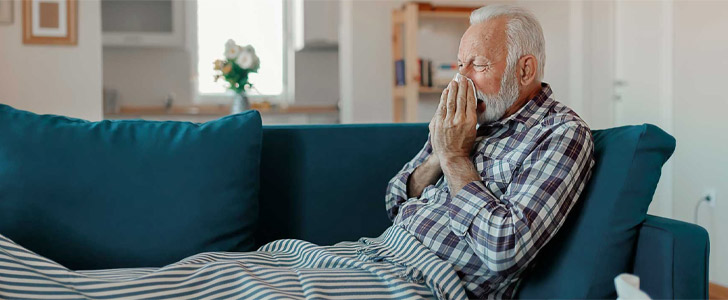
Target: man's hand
[
  {"x": 453, "y": 127},
  {"x": 453, "y": 133}
]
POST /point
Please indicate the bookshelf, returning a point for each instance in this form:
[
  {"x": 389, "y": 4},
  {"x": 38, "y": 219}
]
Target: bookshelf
[{"x": 405, "y": 26}]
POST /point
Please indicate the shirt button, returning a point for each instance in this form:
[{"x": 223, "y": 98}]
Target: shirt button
[{"x": 424, "y": 200}]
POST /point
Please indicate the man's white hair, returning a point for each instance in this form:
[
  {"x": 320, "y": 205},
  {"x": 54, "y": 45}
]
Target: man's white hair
[{"x": 524, "y": 33}]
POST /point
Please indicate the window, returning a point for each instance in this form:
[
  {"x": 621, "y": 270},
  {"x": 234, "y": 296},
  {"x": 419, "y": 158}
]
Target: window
[{"x": 254, "y": 22}]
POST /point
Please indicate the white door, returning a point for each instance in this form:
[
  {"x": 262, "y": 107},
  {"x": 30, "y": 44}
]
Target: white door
[{"x": 643, "y": 71}]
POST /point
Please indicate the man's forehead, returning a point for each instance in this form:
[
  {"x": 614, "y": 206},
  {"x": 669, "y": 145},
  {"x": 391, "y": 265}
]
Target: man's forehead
[{"x": 483, "y": 39}]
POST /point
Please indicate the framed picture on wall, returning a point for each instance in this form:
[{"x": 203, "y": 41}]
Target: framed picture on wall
[
  {"x": 6, "y": 12},
  {"x": 50, "y": 22}
]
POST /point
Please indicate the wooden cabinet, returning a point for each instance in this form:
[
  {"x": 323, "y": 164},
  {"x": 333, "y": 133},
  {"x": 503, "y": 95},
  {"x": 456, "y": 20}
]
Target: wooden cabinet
[{"x": 142, "y": 23}]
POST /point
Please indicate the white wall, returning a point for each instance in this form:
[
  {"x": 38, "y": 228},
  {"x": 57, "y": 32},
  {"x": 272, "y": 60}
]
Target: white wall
[
  {"x": 317, "y": 77},
  {"x": 700, "y": 123},
  {"x": 365, "y": 61},
  {"x": 62, "y": 80}
]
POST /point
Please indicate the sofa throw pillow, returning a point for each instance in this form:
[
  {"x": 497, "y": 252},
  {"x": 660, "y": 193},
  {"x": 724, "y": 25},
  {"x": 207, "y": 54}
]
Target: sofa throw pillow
[
  {"x": 598, "y": 239},
  {"x": 130, "y": 193}
]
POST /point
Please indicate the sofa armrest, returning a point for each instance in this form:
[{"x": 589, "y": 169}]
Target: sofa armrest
[{"x": 671, "y": 259}]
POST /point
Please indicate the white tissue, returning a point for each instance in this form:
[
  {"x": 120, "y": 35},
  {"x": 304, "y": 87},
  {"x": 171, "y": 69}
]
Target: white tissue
[
  {"x": 470, "y": 81},
  {"x": 628, "y": 287}
]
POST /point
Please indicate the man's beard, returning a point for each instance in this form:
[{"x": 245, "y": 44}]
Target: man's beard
[{"x": 496, "y": 105}]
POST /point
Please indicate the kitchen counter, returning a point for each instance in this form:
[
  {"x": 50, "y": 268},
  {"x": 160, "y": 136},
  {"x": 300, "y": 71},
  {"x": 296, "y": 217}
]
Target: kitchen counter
[{"x": 293, "y": 114}]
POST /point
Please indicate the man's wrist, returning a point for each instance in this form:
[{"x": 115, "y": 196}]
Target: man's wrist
[
  {"x": 459, "y": 171},
  {"x": 432, "y": 167},
  {"x": 432, "y": 161},
  {"x": 454, "y": 163}
]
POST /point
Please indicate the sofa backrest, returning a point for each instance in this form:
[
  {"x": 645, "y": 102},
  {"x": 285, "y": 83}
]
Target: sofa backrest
[{"x": 326, "y": 184}]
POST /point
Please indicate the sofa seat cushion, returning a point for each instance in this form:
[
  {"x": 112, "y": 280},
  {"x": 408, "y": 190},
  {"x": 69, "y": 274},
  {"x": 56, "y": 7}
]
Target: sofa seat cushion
[
  {"x": 597, "y": 242},
  {"x": 134, "y": 193}
]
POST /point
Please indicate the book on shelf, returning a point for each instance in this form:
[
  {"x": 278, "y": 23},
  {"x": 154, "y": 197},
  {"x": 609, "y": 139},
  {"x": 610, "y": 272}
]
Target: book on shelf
[
  {"x": 419, "y": 71},
  {"x": 429, "y": 72},
  {"x": 424, "y": 72},
  {"x": 399, "y": 72}
]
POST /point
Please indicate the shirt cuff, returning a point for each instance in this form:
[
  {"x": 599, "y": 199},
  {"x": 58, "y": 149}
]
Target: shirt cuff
[
  {"x": 402, "y": 179},
  {"x": 466, "y": 205},
  {"x": 398, "y": 192}
]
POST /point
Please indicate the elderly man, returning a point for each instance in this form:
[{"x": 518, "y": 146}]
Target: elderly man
[{"x": 502, "y": 167}]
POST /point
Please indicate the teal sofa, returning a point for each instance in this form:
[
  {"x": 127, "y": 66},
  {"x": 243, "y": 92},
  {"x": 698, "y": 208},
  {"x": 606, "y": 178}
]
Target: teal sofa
[
  {"x": 116, "y": 194},
  {"x": 326, "y": 183}
]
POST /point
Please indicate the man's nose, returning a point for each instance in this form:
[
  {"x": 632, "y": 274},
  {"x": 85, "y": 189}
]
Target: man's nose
[{"x": 466, "y": 71}]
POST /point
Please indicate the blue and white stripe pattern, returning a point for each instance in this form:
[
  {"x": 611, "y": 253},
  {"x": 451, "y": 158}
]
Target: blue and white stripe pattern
[{"x": 392, "y": 266}]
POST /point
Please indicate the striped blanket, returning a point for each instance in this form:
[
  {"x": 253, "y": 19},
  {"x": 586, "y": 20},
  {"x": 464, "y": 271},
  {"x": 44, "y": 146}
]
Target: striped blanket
[{"x": 392, "y": 266}]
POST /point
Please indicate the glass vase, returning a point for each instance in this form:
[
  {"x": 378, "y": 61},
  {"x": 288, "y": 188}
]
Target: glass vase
[{"x": 240, "y": 103}]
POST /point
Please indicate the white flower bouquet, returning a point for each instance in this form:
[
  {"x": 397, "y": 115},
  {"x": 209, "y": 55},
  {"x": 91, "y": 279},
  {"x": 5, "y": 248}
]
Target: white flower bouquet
[{"x": 239, "y": 62}]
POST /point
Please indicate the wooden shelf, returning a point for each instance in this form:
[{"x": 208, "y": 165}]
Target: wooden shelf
[
  {"x": 405, "y": 26},
  {"x": 399, "y": 90},
  {"x": 427, "y": 10},
  {"x": 446, "y": 14}
]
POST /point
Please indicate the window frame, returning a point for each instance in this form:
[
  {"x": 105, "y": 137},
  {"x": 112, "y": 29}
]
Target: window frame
[{"x": 287, "y": 92}]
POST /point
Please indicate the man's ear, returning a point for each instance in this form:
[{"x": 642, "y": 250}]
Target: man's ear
[{"x": 527, "y": 69}]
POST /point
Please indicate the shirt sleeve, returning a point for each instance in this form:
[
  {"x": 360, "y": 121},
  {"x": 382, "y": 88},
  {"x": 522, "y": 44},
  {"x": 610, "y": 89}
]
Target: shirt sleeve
[
  {"x": 397, "y": 187},
  {"x": 506, "y": 232}
]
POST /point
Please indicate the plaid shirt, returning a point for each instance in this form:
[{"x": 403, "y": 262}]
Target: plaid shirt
[{"x": 533, "y": 165}]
